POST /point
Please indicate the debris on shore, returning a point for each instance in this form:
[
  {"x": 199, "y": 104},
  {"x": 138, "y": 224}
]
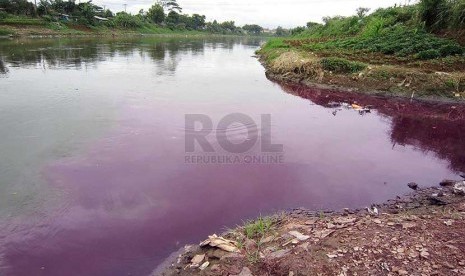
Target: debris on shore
[{"x": 418, "y": 234}]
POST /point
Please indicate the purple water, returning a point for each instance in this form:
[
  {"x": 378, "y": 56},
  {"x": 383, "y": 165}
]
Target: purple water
[{"x": 95, "y": 180}]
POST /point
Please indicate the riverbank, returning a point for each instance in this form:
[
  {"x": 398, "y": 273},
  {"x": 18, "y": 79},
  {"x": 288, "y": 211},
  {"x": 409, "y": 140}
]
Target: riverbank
[
  {"x": 374, "y": 74},
  {"x": 420, "y": 233},
  {"x": 56, "y": 29}
]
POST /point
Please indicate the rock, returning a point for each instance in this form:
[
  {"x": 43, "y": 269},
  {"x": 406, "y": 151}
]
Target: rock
[
  {"x": 449, "y": 222},
  {"x": 437, "y": 201},
  {"x": 299, "y": 236},
  {"x": 245, "y": 272},
  {"x": 447, "y": 183},
  {"x": 222, "y": 243},
  {"x": 197, "y": 259},
  {"x": 232, "y": 256},
  {"x": 204, "y": 265},
  {"x": 304, "y": 246},
  {"x": 217, "y": 254},
  {"x": 459, "y": 188},
  {"x": 408, "y": 225},
  {"x": 215, "y": 267},
  {"x": 424, "y": 254},
  {"x": 413, "y": 185},
  {"x": 267, "y": 239},
  {"x": 323, "y": 233},
  {"x": 279, "y": 254}
]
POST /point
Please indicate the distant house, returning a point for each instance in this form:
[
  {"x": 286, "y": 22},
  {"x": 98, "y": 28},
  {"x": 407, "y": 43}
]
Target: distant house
[{"x": 101, "y": 18}]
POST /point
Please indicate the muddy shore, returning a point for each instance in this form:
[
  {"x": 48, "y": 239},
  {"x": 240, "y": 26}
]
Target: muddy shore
[
  {"x": 434, "y": 83},
  {"x": 420, "y": 233}
]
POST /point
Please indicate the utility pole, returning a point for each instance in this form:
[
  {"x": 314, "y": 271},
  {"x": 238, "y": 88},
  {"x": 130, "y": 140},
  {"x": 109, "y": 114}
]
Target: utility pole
[{"x": 125, "y": 6}]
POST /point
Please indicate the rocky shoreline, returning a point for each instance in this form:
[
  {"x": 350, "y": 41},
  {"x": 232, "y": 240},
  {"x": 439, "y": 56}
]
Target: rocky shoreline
[{"x": 420, "y": 233}]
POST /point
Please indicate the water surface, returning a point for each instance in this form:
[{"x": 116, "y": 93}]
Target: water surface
[{"x": 93, "y": 173}]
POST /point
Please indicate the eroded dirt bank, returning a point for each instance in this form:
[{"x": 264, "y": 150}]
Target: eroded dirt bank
[
  {"x": 417, "y": 234},
  {"x": 429, "y": 81}
]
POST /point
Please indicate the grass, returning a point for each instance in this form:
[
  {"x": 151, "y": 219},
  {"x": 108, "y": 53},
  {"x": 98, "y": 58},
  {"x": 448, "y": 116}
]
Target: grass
[
  {"x": 273, "y": 48},
  {"x": 23, "y": 21},
  {"x": 340, "y": 65},
  {"x": 257, "y": 229},
  {"x": 397, "y": 41},
  {"x": 5, "y": 32}
]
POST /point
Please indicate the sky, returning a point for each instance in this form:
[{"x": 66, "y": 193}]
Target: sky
[{"x": 267, "y": 13}]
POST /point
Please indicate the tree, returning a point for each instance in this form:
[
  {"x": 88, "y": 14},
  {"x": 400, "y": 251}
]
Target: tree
[
  {"x": 170, "y": 5},
  {"x": 362, "y": 12},
  {"x": 434, "y": 13},
  {"x": 280, "y": 31},
  {"x": 311, "y": 25},
  {"x": 253, "y": 29},
  {"x": 156, "y": 14},
  {"x": 172, "y": 19},
  {"x": 198, "y": 21}
]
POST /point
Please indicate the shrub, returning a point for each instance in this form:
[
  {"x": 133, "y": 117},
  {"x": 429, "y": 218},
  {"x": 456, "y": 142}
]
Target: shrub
[
  {"x": 125, "y": 20},
  {"x": 340, "y": 65},
  {"x": 374, "y": 27},
  {"x": 428, "y": 54},
  {"x": 450, "y": 50},
  {"x": 434, "y": 13},
  {"x": 3, "y": 15}
]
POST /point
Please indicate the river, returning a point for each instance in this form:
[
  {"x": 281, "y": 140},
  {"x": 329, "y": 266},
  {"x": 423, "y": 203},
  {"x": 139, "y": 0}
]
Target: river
[{"x": 96, "y": 176}]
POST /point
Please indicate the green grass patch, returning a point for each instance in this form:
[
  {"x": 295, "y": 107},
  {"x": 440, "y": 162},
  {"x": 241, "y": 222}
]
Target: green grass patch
[
  {"x": 340, "y": 65},
  {"x": 5, "y": 32},
  {"x": 24, "y": 21},
  {"x": 257, "y": 229},
  {"x": 396, "y": 41},
  {"x": 273, "y": 48}
]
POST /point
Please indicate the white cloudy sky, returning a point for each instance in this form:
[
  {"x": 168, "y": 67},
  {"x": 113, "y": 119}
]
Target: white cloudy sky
[{"x": 268, "y": 13}]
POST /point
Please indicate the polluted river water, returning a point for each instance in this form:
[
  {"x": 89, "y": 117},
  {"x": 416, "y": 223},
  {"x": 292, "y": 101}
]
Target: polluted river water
[{"x": 96, "y": 178}]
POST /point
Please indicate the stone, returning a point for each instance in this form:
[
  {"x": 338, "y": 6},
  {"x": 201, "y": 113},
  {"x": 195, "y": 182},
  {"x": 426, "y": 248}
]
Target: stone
[
  {"x": 245, "y": 272},
  {"x": 447, "y": 183},
  {"x": 299, "y": 236},
  {"x": 197, "y": 259},
  {"x": 267, "y": 239},
  {"x": 413, "y": 185},
  {"x": 279, "y": 254},
  {"x": 204, "y": 265},
  {"x": 459, "y": 188},
  {"x": 449, "y": 222},
  {"x": 215, "y": 267}
]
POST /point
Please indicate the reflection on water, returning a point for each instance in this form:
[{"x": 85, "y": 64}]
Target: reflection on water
[
  {"x": 85, "y": 53},
  {"x": 429, "y": 127},
  {"x": 93, "y": 179}
]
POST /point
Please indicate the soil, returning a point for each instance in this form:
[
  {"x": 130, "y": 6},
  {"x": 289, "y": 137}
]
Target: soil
[
  {"x": 417, "y": 234},
  {"x": 423, "y": 80}
]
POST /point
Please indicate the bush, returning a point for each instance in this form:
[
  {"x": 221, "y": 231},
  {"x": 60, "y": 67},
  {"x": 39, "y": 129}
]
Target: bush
[
  {"x": 434, "y": 13},
  {"x": 125, "y": 20},
  {"x": 340, "y": 65},
  {"x": 3, "y": 15},
  {"x": 450, "y": 50},
  {"x": 428, "y": 54}
]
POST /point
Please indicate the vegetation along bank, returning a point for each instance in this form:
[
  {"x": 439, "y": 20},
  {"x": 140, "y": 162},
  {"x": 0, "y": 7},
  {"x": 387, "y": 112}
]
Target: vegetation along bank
[
  {"x": 409, "y": 51},
  {"x": 65, "y": 18}
]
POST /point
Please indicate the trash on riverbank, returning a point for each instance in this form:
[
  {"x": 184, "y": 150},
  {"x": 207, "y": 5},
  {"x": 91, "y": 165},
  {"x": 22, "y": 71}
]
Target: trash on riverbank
[{"x": 221, "y": 243}]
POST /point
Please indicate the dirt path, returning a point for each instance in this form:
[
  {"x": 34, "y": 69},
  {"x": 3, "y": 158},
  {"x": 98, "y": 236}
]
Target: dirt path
[{"x": 418, "y": 234}]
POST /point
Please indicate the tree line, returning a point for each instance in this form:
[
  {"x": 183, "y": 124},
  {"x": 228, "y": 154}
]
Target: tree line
[{"x": 163, "y": 13}]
